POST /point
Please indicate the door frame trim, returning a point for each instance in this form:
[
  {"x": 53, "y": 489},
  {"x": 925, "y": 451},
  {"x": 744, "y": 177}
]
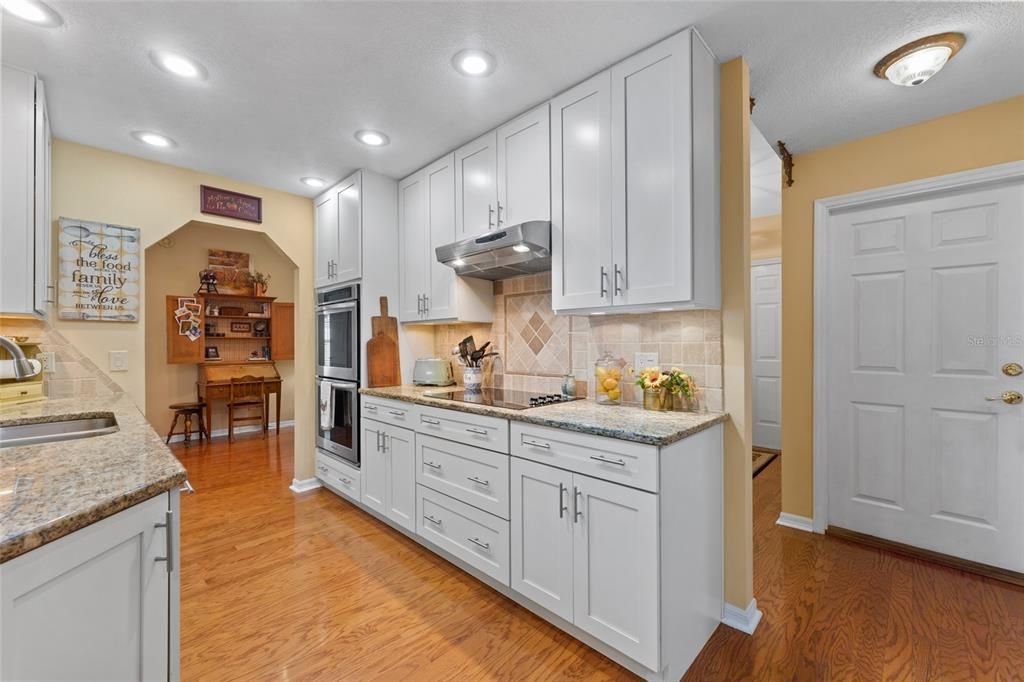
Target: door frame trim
[
  {"x": 766, "y": 261},
  {"x": 824, "y": 209}
]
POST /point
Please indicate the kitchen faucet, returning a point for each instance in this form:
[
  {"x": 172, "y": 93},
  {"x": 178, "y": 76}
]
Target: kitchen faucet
[{"x": 23, "y": 369}]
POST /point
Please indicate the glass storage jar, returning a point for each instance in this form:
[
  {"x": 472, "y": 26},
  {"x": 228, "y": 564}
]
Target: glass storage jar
[{"x": 608, "y": 379}]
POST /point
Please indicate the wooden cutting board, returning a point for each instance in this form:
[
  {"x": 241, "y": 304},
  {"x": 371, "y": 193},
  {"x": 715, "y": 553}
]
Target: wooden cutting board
[{"x": 382, "y": 362}]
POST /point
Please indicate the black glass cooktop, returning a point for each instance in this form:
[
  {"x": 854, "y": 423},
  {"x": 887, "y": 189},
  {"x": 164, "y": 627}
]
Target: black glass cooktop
[{"x": 496, "y": 397}]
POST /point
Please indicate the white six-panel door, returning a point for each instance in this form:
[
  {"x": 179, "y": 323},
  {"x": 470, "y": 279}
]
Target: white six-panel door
[
  {"x": 925, "y": 306},
  {"x": 766, "y": 353}
]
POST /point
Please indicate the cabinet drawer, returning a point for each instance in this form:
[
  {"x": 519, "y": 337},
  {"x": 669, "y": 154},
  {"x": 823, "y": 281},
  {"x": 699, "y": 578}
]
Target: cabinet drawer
[
  {"x": 338, "y": 476},
  {"x": 471, "y": 429},
  {"x": 19, "y": 392},
  {"x": 478, "y": 538},
  {"x": 619, "y": 461},
  {"x": 390, "y": 411},
  {"x": 476, "y": 476}
]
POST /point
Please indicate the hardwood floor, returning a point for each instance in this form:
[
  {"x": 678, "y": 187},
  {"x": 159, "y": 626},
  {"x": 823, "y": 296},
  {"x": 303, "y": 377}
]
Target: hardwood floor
[{"x": 307, "y": 587}]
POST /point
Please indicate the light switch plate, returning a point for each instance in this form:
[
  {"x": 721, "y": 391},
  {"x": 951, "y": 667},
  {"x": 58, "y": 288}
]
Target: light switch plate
[
  {"x": 645, "y": 360},
  {"x": 118, "y": 360}
]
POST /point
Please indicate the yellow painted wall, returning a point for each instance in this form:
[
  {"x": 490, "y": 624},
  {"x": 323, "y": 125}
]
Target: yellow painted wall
[
  {"x": 172, "y": 266},
  {"x": 766, "y": 237},
  {"x": 736, "y": 382},
  {"x": 975, "y": 138},
  {"x": 95, "y": 184}
]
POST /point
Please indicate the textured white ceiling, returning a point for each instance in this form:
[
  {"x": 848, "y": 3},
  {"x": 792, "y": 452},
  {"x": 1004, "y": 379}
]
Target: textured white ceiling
[
  {"x": 290, "y": 82},
  {"x": 765, "y": 177}
]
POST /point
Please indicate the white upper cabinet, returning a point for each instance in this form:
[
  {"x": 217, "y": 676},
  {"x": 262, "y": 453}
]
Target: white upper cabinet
[
  {"x": 581, "y": 219},
  {"x": 476, "y": 186},
  {"x": 662, "y": 248},
  {"x": 26, "y": 233},
  {"x": 431, "y": 291},
  {"x": 350, "y": 229},
  {"x": 326, "y": 238},
  {"x": 524, "y": 171}
]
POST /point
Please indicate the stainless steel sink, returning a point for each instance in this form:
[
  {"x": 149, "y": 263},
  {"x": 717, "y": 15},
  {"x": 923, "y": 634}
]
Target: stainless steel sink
[{"x": 50, "y": 432}]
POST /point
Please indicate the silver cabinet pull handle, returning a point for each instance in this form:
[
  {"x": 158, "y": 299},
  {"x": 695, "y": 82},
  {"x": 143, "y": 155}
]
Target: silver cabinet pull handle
[
  {"x": 432, "y": 465},
  {"x": 430, "y": 518},
  {"x": 490, "y": 216},
  {"x": 168, "y": 526},
  {"x": 322, "y": 469},
  {"x": 396, "y": 413},
  {"x": 187, "y": 488},
  {"x": 561, "y": 508},
  {"x": 426, "y": 304},
  {"x": 576, "y": 513},
  {"x": 604, "y": 276},
  {"x": 385, "y": 439},
  {"x": 479, "y": 481},
  {"x": 618, "y": 274},
  {"x": 370, "y": 408},
  {"x": 428, "y": 420},
  {"x": 380, "y": 441},
  {"x": 499, "y": 213},
  {"x": 482, "y": 545},
  {"x": 49, "y": 298},
  {"x": 473, "y": 429},
  {"x": 537, "y": 444},
  {"x": 609, "y": 460},
  {"x": 346, "y": 481}
]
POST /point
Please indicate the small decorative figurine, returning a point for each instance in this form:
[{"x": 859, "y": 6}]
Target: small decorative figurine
[{"x": 207, "y": 279}]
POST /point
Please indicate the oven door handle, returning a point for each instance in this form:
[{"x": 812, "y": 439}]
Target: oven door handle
[{"x": 331, "y": 307}]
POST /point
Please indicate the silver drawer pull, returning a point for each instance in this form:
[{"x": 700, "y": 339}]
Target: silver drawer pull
[
  {"x": 478, "y": 480},
  {"x": 187, "y": 488},
  {"x": 537, "y": 444},
  {"x": 473, "y": 429},
  {"x": 321, "y": 468},
  {"x": 397, "y": 413},
  {"x": 168, "y": 526},
  {"x": 428, "y": 420},
  {"x": 482, "y": 545},
  {"x": 346, "y": 481},
  {"x": 432, "y": 465},
  {"x": 430, "y": 518},
  {"x": 609, "y": 460},
  {"x": 370, "y": 408}
]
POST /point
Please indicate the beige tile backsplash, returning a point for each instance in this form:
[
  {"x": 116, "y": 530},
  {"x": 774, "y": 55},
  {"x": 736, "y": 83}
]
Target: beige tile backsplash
[{"x": 537, "y": 347}]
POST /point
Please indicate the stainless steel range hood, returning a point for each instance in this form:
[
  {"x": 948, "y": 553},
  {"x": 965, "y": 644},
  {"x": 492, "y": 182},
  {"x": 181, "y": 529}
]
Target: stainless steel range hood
[{"x": 521, "y": 249}]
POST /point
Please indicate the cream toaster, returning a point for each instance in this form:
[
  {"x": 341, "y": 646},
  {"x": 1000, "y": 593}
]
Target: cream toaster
[{"x": 432, "y": 372}]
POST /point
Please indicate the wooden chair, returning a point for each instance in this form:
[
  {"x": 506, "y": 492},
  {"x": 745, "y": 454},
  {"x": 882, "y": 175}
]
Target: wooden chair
[
  {"x": 246, "y": 393},
  {"x": 188, "y": 410}
]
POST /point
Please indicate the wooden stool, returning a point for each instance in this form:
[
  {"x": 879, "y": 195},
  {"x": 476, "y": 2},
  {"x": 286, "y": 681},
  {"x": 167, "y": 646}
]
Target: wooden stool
[{"x": 186, "y": 410}]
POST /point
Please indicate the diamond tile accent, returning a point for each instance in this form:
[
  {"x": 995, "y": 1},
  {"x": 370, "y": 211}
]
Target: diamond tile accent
[
  {"x": 538, "y": 340},
  {"x": 536, "y": 321}
]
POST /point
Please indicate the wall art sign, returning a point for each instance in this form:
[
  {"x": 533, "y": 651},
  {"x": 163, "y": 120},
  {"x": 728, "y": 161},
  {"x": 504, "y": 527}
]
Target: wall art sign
[
  {"x": 231, "y": 270},
  {"x": 230, "y": 204},
  {"x": 98, "y": 271}
]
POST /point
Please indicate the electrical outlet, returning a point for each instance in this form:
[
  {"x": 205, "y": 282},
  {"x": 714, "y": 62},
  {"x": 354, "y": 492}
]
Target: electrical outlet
[
  {"x": 48, "y": 361},
  {"x": 645, "y": 360},
  {"x": 118, "y": 360}
]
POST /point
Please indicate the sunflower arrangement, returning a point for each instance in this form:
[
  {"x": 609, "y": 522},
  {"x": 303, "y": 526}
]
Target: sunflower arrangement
[{"x": 659, "y": 386}]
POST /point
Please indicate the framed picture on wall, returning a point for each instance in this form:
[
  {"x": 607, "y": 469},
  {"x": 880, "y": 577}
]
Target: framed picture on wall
[
  {"x": 212, "y": 353},
  {"x": 241, "y": 327}
]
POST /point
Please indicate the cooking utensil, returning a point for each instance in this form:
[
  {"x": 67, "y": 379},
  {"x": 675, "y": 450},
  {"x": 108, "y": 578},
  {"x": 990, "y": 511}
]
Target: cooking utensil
[{"x": 382, "y": 362}]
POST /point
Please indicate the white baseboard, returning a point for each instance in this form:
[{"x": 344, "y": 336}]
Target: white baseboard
[
  {"x": 248, "y": 428},
  {"x": 794, "y": 521},
  {"x": 304, "y": 486},
  {"x": 744, "y": 620}
]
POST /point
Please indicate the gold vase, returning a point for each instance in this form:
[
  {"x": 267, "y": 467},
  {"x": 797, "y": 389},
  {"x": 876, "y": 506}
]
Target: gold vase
[
  {"x": 658, "y": 399},
  {"x": 680, "y": 403}
]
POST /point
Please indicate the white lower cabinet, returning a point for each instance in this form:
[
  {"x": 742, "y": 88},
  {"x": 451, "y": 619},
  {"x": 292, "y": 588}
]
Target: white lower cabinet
[
  {"x": 587, "y": 550},
  {"x": 338, "y": 476},
  {"x": 389, "y": 472},
  {"x": 98, "y": 604},
  {"x": 478, "y": 538}
]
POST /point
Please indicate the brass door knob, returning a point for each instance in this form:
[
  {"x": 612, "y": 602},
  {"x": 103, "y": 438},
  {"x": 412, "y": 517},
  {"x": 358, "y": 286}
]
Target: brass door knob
[
  {"x": 1009, "y": 397},
  {"x": 1013, "y": 369}
]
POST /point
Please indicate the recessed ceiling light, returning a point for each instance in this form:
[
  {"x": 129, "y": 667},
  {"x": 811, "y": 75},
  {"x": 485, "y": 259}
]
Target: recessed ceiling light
[
  {"x": 521, "y": 248},
  {"x": 153, "y": 139},
  {"x": 313, "y": 182},
  {"x": 476, "y": 63},
  {"x": 178, "y": 65},
  {"x": 372, "y": 138},
  {"x": 33, "y": 11},
  {"x": 914, "y": 63}
]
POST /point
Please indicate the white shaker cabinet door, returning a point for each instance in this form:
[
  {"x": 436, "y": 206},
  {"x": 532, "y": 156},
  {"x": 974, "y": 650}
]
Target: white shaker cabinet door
[
  {"x": 401, "y": 476},
  {"x": 326, "y": 238},
  {"x": 413, "y": 245},
  {"x": 374, "y": 467},
  {"x": 615, "y": 563},
  {"x": 581, "y": 177},
  {"x": 524, "y": 169},
  {"x": 350, "y": 229},
  {"x": 542, "y": 535},
  {"x": 476, "y": 191},
  {"x": 93, "y": 605},
  {"x": 651, "y": 175},
  {"x": 439, "y": 180}
]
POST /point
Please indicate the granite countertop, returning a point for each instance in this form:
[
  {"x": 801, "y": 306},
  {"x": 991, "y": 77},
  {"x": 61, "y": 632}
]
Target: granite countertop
[
  {"x": 49, "y": 490},
  {"x": 624, "y": 422}
]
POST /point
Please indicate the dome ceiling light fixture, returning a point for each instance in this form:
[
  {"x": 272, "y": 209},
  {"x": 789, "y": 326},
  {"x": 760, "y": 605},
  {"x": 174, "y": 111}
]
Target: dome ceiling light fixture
[{"x": 914, "y": 63}]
